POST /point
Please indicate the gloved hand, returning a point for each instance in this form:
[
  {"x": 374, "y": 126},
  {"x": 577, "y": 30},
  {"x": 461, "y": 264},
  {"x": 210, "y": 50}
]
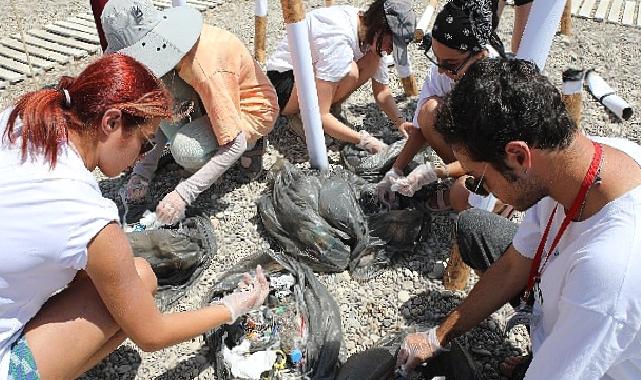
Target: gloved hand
[
  {"x": 250, "y": 295},
  {"x": 370, "y": 143},
  {"x": 384, "y": 188},
  {"x": 419, "y": 177},
  {"x": 417, "y": 348},
  {"x": 136, "y": 188},
  {"x": 171, "y": 209}
]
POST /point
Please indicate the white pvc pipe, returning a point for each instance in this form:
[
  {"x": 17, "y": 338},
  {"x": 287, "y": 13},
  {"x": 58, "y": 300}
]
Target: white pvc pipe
[
  {"x": 298, "y": 39},
  {"x": 261, "y": 8},
  {"x": 602, "y": 91},
  {"x": 540, "y": 29},
  {"x": 178, "y": 3},
  {"x": 424, "y": 22}
]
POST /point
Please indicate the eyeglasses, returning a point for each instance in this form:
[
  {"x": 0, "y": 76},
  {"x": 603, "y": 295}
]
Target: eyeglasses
[
  {"x": 477, "y": 185},
  {"x": 426, "y": 45}
]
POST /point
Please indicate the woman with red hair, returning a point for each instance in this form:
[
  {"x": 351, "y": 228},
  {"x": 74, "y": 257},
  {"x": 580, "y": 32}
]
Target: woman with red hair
[{"x": 70, "y": 289}]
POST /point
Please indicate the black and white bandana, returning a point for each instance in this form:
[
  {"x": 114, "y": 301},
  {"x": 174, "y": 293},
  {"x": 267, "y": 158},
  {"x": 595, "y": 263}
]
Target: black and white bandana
[{"x": 464, "y": 24}]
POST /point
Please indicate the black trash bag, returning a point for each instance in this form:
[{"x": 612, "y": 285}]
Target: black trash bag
[
  {"x": 315, "y": 217},
  {"x": 316, "y": 306},
  {"x": 177, "y": 255},
  {"x": 380, "y": 363},
  {"x": 374, "y": 166}
]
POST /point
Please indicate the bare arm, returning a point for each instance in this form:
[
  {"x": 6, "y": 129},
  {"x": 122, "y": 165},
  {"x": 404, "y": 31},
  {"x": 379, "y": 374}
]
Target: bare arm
[
  {"x": 331, "y": 125},
  {"x": 386, "y": 103},
  {"x": 413, "y": 145},
  {"x": 111, "y": 269},
  {"x": 503, "y": 281}
]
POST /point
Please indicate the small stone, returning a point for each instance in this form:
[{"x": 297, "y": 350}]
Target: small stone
[
  {"x": 403, "y": 296},
  {"x": 350, "y": 345},
  {"x": 408, "y": 285}
]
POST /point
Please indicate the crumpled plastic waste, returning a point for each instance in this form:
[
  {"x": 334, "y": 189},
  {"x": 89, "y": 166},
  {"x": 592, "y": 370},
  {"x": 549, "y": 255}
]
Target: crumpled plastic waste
[
  {"x": 374, "y": 166},
  {"x": 248, "y": 366},
  {"x": 303, "y": 329},
  {"x": 177, "y": 255}
]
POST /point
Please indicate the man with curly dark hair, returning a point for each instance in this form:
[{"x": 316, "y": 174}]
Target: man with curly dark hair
[{"x": 576, "y": 253}]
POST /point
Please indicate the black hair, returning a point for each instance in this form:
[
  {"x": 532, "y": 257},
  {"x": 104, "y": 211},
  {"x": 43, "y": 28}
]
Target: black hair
[
  {"x": 376, "y": 22},
  {"x": 501, "y": 100}
]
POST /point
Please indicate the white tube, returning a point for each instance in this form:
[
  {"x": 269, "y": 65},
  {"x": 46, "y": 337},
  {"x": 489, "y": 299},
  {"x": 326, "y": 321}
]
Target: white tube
[
  {"x": 540, "y": 29},
  {"x": 404, "y": 71},
  {"x": 178, "y": 3},
  {"x": 605, "y": 94},
  {"x": 424, "y": 22},
  {"x": 261, "y": 8},
  {"x": 298, "y": 39}
]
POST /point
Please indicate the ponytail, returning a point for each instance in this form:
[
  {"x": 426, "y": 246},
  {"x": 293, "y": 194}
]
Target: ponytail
[{"x": 114, "y": 81}]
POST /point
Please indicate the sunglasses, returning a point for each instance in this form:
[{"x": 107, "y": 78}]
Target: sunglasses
[
  {"x": 477, "y": 185},
  {"x": 426, "y": 45}
]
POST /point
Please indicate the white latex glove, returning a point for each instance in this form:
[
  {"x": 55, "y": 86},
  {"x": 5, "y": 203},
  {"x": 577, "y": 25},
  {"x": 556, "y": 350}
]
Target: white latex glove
[
  {"x": 417, "y": 348},
  {"x": 370, "y": 143},
  {"x": 419, "y": 177},
  {"x": 250, "y": 295},
  {"x": 171, "y": 209},
  {"x": 384, "y": 188},
  {"x": 136, "y": 188}
]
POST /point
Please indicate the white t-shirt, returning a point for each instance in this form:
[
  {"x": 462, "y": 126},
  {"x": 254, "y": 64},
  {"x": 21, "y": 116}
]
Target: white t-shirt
[
  {"x": 48, "y": 216},
  {"x": 588, "y": 326},
  {"x": 333, "y": 39}
]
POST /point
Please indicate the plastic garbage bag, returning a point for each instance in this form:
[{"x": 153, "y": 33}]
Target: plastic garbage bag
[
  {"x": 380, "y": 363},
  {"x": 315, "y": 217},
  {"x": 374, "y": 166},
  {"x": 313, "y": 325},
  {"x": 177, "y": 255}
]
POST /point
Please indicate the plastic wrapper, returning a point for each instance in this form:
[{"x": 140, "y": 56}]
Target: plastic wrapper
[
  {"x": 307, "y": 332},
  {"x": 177, "y": 255}
]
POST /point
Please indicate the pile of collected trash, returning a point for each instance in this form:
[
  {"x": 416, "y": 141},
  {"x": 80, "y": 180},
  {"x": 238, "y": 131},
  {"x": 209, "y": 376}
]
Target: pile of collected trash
[
  {"x": 333, "y": 221},
  {"x": 296, "y": 334}
]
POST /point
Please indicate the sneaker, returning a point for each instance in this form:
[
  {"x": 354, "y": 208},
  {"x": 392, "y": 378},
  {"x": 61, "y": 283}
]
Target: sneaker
[{"x": 370, "y": 143}]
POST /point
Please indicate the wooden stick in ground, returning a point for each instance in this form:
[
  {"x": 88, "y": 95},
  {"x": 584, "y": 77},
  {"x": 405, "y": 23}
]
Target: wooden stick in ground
[
  {"x": 409, "y": 85},
  {"x": 566, "y": 19},
  {"x": 329, "y": 3},
  {"x": 456, "y": 272}
]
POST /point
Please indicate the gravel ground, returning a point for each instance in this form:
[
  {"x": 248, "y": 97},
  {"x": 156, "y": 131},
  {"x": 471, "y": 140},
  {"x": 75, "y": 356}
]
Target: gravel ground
[{"x": 404, "y": 294}]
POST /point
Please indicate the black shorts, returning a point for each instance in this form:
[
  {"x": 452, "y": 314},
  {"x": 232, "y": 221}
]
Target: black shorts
[
  {"x": 284, "y": 85},
  {"x": 522, "y": 2}
]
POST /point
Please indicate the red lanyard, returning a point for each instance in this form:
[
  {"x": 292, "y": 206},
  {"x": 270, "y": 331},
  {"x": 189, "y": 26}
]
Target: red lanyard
[{"x": 588, "y": 180}]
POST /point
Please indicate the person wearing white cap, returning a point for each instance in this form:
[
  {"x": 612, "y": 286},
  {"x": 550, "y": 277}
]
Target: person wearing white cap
[
  {"x": 235, "y": 105},
  {"x": 347, "y": 46}
]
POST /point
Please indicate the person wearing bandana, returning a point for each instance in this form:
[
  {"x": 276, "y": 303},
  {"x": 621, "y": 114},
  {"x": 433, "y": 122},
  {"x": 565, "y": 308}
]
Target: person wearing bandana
[
  {"x": 463, "y": 33},
  {"x": 574, "y": 260}
]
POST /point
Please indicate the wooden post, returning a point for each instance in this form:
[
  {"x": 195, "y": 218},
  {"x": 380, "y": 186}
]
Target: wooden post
[
  {"x": 456, "y": 272},
  {"x": 329, "y": 3},
  {"x": 566, "y": 19},
  {"x": 260, "y": 30},
  {"x": 409, "y": 85},
  {"x": 572, "y": 93}
]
